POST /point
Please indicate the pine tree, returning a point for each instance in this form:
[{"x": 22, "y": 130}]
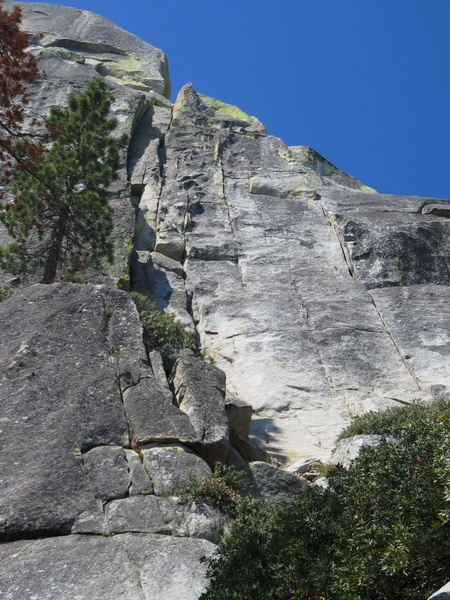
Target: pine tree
[
  {"x": 18, "y": 71},
  {"x": 60, "y": 216}
]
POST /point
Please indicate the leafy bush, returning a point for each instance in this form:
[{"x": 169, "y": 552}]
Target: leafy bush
[
  {"x": 5, "y": 292},
  {"x": 161, "y": 331},
  {"x": 394, "y": 419},
  {"x": 380, "y": 531},
  {"x": 221, "y": 491}
]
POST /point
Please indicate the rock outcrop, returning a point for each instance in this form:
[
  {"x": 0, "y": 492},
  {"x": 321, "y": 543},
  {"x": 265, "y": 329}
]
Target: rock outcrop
[
  {"x": 298, "y": 278},
  {"x": 314, "y": 297}
]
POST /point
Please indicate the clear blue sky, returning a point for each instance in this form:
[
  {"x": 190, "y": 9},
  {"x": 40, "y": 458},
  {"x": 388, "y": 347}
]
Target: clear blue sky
[{"x": 364, "y": 82}]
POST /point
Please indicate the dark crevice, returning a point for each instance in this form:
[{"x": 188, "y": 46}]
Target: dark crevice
[
  {"x": 88, "y": 47},
  {"x": 108, "y": 332},
  {"x": 342, "y": 245},
  {"x": 36, "y": 534}
]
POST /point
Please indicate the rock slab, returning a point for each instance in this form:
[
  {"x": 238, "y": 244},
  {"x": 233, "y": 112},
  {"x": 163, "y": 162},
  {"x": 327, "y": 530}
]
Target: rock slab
[{"x": 126, "y": 566}]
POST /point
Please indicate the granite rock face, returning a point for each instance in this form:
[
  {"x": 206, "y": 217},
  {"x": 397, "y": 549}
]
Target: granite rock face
[
  {"x": 132, "y": 566},
  {"x": 287, "y": 265},
  {"x": 70, "y": 357},
  {"x": 314, "y": 298}
]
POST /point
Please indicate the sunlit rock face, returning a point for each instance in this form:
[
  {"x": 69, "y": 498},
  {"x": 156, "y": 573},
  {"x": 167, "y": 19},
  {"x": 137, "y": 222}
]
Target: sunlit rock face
[
  {"x": 314, "y": 297},
  {"x": 296, "y": 277}
]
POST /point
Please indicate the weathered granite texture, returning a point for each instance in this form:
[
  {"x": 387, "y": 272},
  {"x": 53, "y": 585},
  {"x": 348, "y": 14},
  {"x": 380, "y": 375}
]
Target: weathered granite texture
[
  {"x": 281, "y": 254},
  {"x": 314, "y": 297},
  {"x": 127, "y": 566},
  {"x": 77, "y": 387}
]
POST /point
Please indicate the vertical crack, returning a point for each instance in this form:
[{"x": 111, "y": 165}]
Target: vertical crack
[
  {"x": 388, "y": 331},
  {"x": 108, "y": 313},
  {"x": 218, "y": 155},
  {"x": 342, "y": 244},
  {"x": 162, "y": 157}
]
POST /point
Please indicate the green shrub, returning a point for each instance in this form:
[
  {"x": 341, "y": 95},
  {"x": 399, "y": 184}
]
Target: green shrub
[
  {"x": 380, "y": 531},
  {"x": 5, "y": 292},
  {"x": 221, "y": 491},
  {"x": 161, "y": 331},
  {"x": 392, "y": 420}
]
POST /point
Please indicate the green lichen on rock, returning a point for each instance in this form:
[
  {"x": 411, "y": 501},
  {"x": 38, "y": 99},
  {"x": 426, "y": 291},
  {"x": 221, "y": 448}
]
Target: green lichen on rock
[{"x": 222, "y": 109}]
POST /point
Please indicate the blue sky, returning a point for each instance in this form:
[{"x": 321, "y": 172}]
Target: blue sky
[{"x": 364, "y": 82}]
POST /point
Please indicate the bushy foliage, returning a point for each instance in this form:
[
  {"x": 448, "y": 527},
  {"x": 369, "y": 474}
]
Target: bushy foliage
[
  {"x": 161, "y": 331},
  {"x": 380, "y": 531},
  {"x": 393, "y": 420},
  {"x": 5, "y": 292},
  {"x": 221, "y": 491}
]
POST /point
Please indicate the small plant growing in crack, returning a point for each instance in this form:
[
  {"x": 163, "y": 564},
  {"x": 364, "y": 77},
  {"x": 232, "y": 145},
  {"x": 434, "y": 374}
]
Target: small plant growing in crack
[
  {"x": 161, "y": 331},
  {"x": 137, "y": 447},
  {"x": 116, "y": 351},
  {"x": 108, "y": 311},
  {"x": 221, "y": 491}
]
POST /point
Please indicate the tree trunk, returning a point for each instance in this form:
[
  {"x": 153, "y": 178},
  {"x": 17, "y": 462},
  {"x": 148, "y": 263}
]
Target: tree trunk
[{"x": 54, "y": 254}]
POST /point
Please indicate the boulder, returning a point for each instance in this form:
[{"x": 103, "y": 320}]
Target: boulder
[
  {"x": 131, "y": 566},
  {"x": 60, "y": 394},
  {"x": 141, "y": 514},
  {"x": 441, "y": 594},
  {"x": 107, "y": 469},
  {"x": 274, "y": 484},
  {"x": 349, "y": 448},
  {"x": 153, "y": 417},
  {"x": 199, "y": 389},
  {"x": 239, "y": 415},
  {"x": 169, "y": 466}
]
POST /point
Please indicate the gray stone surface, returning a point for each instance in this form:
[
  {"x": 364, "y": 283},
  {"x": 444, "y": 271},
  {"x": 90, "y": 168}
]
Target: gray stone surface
[
  {"x": 126, "y": 566},
  {"x": 239, "y": 415},
  {"x": 170, "y": 466},
  {"x": 199, "y": 389},
  {"x": 79, "y": 34},
  {"x": 349, "y": 448},
  {"x": 274, "y": 484},
  {"x": 153, "y": 418},
  {"x": 70, "y": 355},
  {"x": 276, "y": 283},
  {"x": 140, "y": 482},
  {"x": 59, "y": 396},
  {"x": 140, "y": 514},
  {"x": 441, "y": 594},
  {"x": 107, "y": 469},
  {"x": 417, "y": 317}
]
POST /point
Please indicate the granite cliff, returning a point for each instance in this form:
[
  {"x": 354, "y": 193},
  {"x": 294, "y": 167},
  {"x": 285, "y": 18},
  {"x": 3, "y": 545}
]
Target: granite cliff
[{"x": 315, "y": 298}]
